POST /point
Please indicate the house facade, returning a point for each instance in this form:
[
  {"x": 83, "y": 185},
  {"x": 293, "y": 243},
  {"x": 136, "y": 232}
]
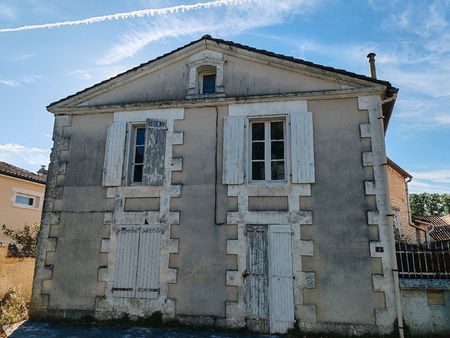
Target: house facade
[
  {"x": 21, "y": 197},
  {"x": 222, "y": 185}
]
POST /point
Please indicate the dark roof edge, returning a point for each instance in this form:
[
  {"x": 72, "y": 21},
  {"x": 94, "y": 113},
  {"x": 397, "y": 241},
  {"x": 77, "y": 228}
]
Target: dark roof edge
[
  {"x": 25, "y": 178},
  {"x": 390, "y": 88},
  {"x": 399, "y": 169}
]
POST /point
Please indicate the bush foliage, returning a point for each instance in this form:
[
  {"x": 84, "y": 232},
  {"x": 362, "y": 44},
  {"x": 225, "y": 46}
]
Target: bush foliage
[
  {"x": 13, "y": 307},
  {"x": 24, "y": 242}
]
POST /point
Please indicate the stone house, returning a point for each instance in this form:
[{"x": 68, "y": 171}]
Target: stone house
[{"x": 223, "y": 185}]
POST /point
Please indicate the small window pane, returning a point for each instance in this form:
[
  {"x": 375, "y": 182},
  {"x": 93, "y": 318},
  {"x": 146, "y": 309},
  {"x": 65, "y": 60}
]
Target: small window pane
[
  {"x": 258, "y": 171},
  {"x": 140, "y": 136},
  {"x": 257, "y": 131},
  {"x": 258, "y": 151},
  {"x": 209, "y": 83},
  {"x": 139, "y": 155},
  {"x": 137, "y": 175},
  {"x": 277, "y": 150},
  {"x": 277, "y": 170},
  {"x": 24, "y": 200},
  {"x": 276, "y": 131}
]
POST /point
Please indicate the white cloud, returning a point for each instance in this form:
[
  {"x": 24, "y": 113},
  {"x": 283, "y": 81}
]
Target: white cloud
[
  {"x": 437, "y": 181},
  {"x": 232, "y": 20},
  {"x": 128, "y": 15},
  {"x": 23, "y": 155},
  {"x": 18, "y": 82},
  {"x": 7, "y": 11}
]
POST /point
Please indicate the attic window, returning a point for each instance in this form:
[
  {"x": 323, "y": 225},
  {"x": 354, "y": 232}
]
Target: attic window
[
  {"x": 205, "y": 75},
  {"x": 207, "y": 79}
]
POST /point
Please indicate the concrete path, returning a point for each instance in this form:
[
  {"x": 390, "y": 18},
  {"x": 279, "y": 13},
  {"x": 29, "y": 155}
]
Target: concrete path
[{"x": 50, "y": 330}]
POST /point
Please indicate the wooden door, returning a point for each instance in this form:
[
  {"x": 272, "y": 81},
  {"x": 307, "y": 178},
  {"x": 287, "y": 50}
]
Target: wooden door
[{"x": 256, "y": 278}]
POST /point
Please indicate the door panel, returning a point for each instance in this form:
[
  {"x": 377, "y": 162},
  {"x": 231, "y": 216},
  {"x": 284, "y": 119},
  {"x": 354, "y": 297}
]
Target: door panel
[
  {"x": 256, "y": 278},
  {"x": 280, "y": 278}
]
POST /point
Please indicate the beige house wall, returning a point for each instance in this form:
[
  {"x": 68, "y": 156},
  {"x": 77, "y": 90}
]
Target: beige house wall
[
  {"x": 16, "y": 272},
  {"x": 15, "y": 216}
]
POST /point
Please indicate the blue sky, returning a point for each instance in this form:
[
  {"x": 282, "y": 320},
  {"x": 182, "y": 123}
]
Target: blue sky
[{"x": 40, "y": 65}]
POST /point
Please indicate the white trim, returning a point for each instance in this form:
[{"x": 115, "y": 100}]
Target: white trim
[{"x": 268, "y": 108}]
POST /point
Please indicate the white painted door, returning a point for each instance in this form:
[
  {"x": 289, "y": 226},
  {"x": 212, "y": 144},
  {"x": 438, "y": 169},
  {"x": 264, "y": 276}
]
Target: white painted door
[
  {"x": 256, "y": 278},
  {"x": 281, "y": 290},
  {"x": 126, "y": 262}
]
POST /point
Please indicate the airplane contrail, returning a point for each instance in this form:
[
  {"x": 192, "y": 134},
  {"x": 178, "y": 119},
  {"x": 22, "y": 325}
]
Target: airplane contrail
[{"x": 127, "y": 15}]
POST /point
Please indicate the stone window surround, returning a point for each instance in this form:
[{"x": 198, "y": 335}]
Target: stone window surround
[
  {"x": 36, "y": 195},
  {"x": 205, "y": 58}
]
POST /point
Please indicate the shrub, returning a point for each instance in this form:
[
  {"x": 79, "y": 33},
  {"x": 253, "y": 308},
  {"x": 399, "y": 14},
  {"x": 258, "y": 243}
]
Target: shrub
[
  {"x": 24, "y": 242},
  {"x": 13, "y": 308}
]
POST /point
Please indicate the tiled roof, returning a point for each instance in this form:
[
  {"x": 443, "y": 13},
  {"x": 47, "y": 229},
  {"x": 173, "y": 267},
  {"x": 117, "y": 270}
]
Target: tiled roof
[
  {"x": 13, "y": 171},
  {"x": 440, "y": 233},
  {"x": 432, "y": 220},
  {"x": 390, "y": 88}
]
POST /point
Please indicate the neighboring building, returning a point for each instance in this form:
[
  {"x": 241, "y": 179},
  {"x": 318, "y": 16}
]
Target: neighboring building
[
  {"x": 21, "y": 197},
  {"x": 432, "y": 228},
  {"x": 398, "y": 192},
  {"x": 224, "y": 185}
]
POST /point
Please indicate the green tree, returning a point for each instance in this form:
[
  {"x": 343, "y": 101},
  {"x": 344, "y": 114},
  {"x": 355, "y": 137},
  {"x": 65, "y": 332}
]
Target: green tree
[
  {"x": 426, "y": 204},
  {"x": 24, "y": 241}
]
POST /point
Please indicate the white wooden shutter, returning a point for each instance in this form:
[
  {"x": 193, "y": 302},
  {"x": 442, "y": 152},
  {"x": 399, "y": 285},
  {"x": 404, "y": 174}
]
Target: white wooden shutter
[
  {"x": 126, "y": 262},
  {"x": 114, "y": 154},
  {"x": 155, "y": 151},
  {"x": 302, "y": 148},
  {"x": 147, "y": 283},
  {"x": 233, "y": 150},
  {"x": 280, "y": 279},
  {"x": 256, "y": 277}
]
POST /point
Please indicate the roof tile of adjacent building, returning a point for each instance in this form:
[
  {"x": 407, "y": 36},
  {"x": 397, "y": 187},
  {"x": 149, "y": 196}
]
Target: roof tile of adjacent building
[
  {"x": 13, "y": 171},
  {"x": 431, "y": 220},
  {"x": 390, "y": 88},
  {"x": 440, "y": 233}
]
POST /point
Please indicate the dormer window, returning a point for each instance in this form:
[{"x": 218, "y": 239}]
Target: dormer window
[
  {"x": 207, "y": 79},
  {"x": 205, "y": 75}
]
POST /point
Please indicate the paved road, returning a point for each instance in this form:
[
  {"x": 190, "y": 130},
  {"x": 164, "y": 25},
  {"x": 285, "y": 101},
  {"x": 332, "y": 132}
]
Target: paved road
[{"x": 50, "y": 330}]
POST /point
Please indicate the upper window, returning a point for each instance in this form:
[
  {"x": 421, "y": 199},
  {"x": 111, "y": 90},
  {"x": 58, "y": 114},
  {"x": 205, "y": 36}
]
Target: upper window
[
  {"x": 207, "y": 79},
  {"x": 138, "y": 149},
  {"x": 268, "y": 150}
]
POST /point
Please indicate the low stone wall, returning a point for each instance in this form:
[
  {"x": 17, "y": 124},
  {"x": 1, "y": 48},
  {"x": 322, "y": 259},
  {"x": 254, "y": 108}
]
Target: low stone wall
[
  {"x": 14, "y": 272},
  {"x": 426, "y": 305}
]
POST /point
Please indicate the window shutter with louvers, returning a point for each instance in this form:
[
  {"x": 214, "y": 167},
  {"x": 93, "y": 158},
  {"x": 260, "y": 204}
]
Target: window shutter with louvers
[
  {"x": 147, "y": 284},
  {"x": 126, "y": 262},
  {"x": 233, "y": 150},
  {"x": 302, "y": 148},
  {"x": 114, "y": 154},
  {"x": 155, "y": 151}
]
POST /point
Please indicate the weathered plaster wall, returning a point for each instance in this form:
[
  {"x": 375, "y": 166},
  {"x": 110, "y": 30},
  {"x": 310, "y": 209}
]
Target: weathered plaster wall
[
  {"x": 69, "y": 254},
  {"x": 343, "y": 290},
  {"x": 424, "y": 318},
  {"x": 200, "y": 288},
  {"x": 241, "y": 78}
]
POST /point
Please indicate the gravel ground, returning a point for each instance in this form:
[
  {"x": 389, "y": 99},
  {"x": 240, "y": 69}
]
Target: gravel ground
[{"x": 52, "y": 330}]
